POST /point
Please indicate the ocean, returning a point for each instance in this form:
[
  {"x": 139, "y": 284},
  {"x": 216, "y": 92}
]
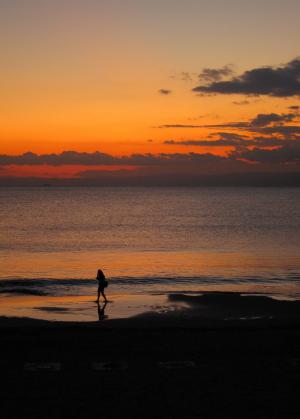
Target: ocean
[{"x": 150, "y": 241}]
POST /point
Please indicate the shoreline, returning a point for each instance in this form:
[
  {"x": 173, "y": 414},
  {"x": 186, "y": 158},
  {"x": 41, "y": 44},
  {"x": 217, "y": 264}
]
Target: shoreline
[{"x": 207, "y": 309}]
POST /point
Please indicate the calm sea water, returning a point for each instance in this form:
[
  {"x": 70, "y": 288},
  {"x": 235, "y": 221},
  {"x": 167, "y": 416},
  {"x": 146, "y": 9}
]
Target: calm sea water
[{"x": 150, "y": 240}]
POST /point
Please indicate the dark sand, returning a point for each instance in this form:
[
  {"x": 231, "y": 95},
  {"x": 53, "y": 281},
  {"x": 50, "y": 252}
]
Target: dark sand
[{"x": 226, "y": 366}]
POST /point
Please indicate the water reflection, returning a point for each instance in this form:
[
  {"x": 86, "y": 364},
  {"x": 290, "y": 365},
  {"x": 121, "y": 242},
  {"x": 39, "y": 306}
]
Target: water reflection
[{"x": 101, "y": 311}]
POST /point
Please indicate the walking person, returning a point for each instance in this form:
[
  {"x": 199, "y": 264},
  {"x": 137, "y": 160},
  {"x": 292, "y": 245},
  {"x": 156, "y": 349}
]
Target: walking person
[{"x": 102, "y": 283}]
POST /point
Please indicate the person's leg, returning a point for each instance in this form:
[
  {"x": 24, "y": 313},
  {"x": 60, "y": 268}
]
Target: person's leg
[
  {"x": 98, "y": 294},
  {"x": 102, "y": 292}
]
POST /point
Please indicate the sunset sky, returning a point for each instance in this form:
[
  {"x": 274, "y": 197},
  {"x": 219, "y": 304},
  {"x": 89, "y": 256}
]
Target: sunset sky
[{"x": 150, "y": 87}]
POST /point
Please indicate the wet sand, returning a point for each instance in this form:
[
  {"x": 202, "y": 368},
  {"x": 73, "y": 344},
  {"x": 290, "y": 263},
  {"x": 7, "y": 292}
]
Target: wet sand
[
  {"x": 222, "y": 355},
  {"x": 84, "y": 308}
]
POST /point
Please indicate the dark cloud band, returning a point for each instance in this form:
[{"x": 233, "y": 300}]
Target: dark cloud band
[
  {"x": 261, "y": 120},
  {"x": 102, "y": 159},
  {"x": 281, "y": 81}
]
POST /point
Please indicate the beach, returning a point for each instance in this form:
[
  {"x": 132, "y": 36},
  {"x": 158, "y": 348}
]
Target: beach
[{"x": 195, "y": 362}]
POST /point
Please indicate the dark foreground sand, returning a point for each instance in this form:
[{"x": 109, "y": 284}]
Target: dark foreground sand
[{"x": 202, "y": 362}]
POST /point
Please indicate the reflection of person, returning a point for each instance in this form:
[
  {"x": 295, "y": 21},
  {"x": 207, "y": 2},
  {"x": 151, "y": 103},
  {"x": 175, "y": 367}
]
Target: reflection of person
[
  {"x": 101, "y": 311},
  {"x": 102, "y": 283}
]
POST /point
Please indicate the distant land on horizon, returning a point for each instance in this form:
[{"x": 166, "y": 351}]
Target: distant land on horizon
[{"x": 226, "y": 180}]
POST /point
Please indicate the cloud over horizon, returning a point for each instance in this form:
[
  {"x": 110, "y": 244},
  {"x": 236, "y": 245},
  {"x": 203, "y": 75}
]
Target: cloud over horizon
[
  {"x": 267, "y": 142},
  {"x": 103, "y": 159},
  {"x": 255, "y": 166}
]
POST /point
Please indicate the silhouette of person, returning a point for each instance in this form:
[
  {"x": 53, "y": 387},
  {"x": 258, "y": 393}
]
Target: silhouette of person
[
  {"x": 101, "y": 311},
  {"x": 102, "y": 283}
]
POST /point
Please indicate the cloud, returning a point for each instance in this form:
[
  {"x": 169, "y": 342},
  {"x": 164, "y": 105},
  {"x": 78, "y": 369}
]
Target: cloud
[
  {"x": 186, "y": 76},
  {"x": 102, "y": 159},
  {"x": 226, "y": 125},
  {"x": 285, "y": 154},
  {"x": 281, "y": 81},
  {"x": 162, "y": 169},
  {"x": 294, "y": 108},
  {"x": 260, "y": 120},
  {"x": 183, "y": 76},
  {"x": 207, "y": 115},
  {"x": 264, "y": 119},
  {"x": 291, "y": 131},
  {"x": 238, "y": 142},
  {"x": 205, "y": 143},
  {"x": 215, "y": 74},
  {"x": 224, "y": 140},
  {"x": 273, "y": 121},
  {"x": 164, "y": 92},
  {"x": 241, "y": 102},
  {"x": 180, "y": 126},
  {"x": 228, "y": 136},
  {"x": 64, "y": 158}
]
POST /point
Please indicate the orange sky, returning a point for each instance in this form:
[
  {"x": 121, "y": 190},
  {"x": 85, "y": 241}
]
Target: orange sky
[
  {"x": 135, "y": 130},
  {"x": 87, "y": 77}
]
